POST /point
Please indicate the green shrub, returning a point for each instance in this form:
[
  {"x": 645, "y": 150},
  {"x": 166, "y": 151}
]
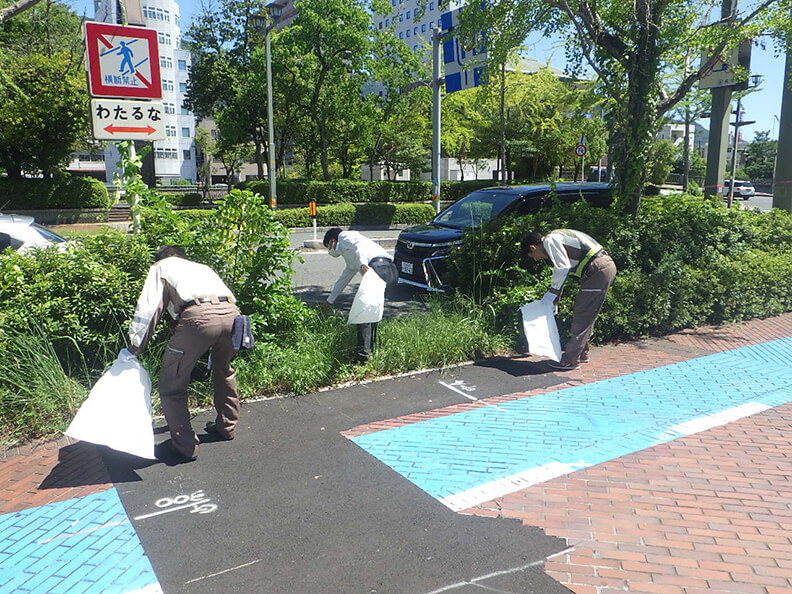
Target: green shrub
[
  {"x": 344, "y": 215},
  {"x": 64, "y": 192},
  {"x": 683, "y": 262}
]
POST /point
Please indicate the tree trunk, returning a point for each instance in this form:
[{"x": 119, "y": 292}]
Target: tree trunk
[{"x": 259, "y": 159}]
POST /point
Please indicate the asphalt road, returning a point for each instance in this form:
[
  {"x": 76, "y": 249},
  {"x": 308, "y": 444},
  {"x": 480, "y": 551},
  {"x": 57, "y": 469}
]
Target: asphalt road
[{"x": 293, "y": 506}]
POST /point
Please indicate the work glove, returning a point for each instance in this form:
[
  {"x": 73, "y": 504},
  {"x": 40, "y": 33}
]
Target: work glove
[
  {"x": 548, "y": 298},
  {"x": 125, "y": 356}
]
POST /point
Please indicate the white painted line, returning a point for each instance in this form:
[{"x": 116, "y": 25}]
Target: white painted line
[
  {"x": 510, "y": 484},
  {"x": 461, "y": 393},
  {"x": 194, "y": 504},
  {"x": 540, "y": 474},
  {"x": 720, "y": 418},
  {"x": 481, "y": 578},
  {"x": 222, "y": 572},
  {"x": 81, "y": 532}
]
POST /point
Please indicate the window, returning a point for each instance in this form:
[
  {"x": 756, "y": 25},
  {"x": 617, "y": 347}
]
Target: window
[
  {"x": 182, "y": 87},
  {"x": 380, "y": 24},
  {"x": 185, "y": 132},
  {"x": 408, "y": 32},
  {"x": 187, "y": 155},
  {"x": 387, "y": 22},
  {"x": 168, "y": 108},
  {"x": 167, "y": 85},
  {"x": 184, "y": 111},
  {"x": 182, "y": 64},
  {"x": 167, "y": 16},
  {"x": 401, "y": 18},
  {"x": 415, "y": 48},
  {"x": 415, "y": 31},
  {"x": 176, "y": 19},
  {"x": 408, "y": 14},
  {"x": 401, "y": 35},
  {"x": 170, "y": 130},
  {"x": 423, "y": 28},
  {"x": 431, "y": 6}
]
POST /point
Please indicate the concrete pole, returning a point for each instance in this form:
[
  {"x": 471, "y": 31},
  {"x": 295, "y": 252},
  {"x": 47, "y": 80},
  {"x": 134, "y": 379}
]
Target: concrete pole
[
  {"x": 273, "y": 195},
  {"x": 782, "y": 180},
  {"x": 719, "y": 128},
  {"x": 436, "y": 82},
  {"x": 730, "y": 200}
]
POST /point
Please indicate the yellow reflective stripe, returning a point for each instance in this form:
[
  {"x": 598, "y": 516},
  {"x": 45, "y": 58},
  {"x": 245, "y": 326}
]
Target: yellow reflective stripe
[{"x": 578, "y": 271}]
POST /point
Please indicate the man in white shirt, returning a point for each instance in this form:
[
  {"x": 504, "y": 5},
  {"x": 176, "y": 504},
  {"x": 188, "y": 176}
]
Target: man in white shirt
[
  {"x": 574, "y": 253},
  {"x": 204, "y": 310},
  {"x": 360, "y": 253}
]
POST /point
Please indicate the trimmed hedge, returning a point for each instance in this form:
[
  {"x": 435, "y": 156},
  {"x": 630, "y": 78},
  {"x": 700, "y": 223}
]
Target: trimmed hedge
[
  {"x": 344, "y": 215},
  {"x": 66, "y": 192},
  {"x": 183, "y": 198},
  {"x": 340, "y": 191}
]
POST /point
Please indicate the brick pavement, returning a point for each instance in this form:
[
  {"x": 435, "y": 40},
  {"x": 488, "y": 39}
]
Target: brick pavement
[{"x": 708, "y": 512}]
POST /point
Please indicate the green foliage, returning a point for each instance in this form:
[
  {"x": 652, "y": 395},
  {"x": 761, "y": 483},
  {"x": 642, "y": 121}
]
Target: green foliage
[
  {"x": 183, "y": 198},
  {"x": 63, "y": 192},
  {"x": 358, "y": 214},
  {"x": 682, "y": 262},
  {"x": 81, "y": 296},
  {"x": 37, "y": 396},
  {"x": 43, "y": 96},
  {"x": 662, "y": 157},
  {"x": 760, "y": 157}
]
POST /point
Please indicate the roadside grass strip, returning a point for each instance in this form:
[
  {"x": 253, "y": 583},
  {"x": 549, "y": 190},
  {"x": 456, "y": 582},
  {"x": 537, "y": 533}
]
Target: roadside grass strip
[
  {"x": 470, "y": 457},
  {"x": 86, "y": 545}
]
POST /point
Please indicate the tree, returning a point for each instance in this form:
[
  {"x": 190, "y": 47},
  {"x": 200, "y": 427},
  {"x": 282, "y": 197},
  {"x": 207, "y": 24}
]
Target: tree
[
  {"x": 629, "y": 46},
  {"x": 17, "y": 7},
  {"x": 662, "y": 157},
  {"x": 43, "y": 96},
  {"x": 760, "y": 156},
  {"x": 205, "y": 148}
]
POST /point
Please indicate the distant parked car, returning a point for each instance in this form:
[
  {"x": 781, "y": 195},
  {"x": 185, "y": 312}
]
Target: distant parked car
[
  {"x": 422, "y": 251},
  {"x": 22, "y": 233},
  {"x": 742, "y": 189},
  {"x": 600, "y": 175}
]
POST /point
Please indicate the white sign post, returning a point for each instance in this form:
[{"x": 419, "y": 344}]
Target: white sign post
[{"x": 115, "y": 119}]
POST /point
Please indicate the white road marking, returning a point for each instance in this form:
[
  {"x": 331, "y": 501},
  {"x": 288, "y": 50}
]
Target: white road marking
[
  {"x": 81, "y": 532},
  {"x": 719, "y": 418},
  {"x": 222, "y": 572},
  {"x": 466, "y": 395},
  {"x": 488, "y": 576}
]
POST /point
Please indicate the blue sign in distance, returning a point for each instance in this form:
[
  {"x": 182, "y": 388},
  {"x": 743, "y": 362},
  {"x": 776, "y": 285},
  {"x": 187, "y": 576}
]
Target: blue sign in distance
[{"x": 460, "y": 56}]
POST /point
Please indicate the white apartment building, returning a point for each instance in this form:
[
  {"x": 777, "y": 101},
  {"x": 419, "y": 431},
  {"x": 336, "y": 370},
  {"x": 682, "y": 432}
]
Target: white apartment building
[
  {"x": 174, "y": 157},
  {"x": 413, "y": 24}
]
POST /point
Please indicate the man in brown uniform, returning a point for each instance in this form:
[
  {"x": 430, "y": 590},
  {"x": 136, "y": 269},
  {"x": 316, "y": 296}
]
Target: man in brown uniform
[
  {"x": 204, "y": 310},
  {"x": 577, "y": 254}
]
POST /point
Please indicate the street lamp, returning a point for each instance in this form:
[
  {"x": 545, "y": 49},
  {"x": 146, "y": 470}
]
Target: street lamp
[
  {"x": 756, "y": 79},
  {"x": 267, "y": 22}
]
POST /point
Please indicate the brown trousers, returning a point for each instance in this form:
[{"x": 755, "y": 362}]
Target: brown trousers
[
  {"x": 594, "y": 285},
  {"x": 202, "y": 327}
]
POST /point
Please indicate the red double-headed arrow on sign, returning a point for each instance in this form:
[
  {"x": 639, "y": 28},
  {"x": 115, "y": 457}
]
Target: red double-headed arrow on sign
[{"x": 112, "y": 129}]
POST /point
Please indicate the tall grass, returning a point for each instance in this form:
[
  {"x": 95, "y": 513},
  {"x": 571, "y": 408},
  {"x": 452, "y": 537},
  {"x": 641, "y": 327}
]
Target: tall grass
[{"x": 36, "y": 395}]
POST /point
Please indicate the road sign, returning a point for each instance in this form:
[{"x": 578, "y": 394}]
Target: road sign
[
  {"x": 122, "y": 61},
  {"x": 723, "y": 71},
  {"x": 461, "y": 55},
  {"x": 580, "y": 150},
  {"x": 115, "y": 119}
]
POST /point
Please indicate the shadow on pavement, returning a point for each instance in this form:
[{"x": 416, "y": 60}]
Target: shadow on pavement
[
  {"x": 515, "y": 366},
  {"x": 79, "y": 465}
]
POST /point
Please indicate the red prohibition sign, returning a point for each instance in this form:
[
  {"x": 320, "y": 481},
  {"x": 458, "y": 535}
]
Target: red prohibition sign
[{"x": 580, "y": 150}]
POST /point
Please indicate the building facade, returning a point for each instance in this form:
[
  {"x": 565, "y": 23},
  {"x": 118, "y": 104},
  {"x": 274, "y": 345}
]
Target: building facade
[
  {"x": 412, "y": 23},
  {"x": 174, "y": 157}
]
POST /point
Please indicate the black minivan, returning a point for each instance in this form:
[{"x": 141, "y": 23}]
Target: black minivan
[{"x": 421, "y": 251}]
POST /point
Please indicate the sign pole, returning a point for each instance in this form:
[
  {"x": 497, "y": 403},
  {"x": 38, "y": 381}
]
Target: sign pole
[{"x": 436, "y": 82}]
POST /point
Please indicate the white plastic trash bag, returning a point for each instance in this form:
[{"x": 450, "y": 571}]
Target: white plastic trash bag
[
  {"x": 117, "y": 412},
  {"x": 369, "y": 303},
  {"x": 540, "y": 330}
]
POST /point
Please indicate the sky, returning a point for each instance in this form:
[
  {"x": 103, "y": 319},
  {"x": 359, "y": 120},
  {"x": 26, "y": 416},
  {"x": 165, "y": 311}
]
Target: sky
[{"x": 762, "y": 106}]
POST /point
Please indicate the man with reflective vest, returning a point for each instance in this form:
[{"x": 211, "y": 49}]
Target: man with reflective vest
[{"x": 573, "y": 253}]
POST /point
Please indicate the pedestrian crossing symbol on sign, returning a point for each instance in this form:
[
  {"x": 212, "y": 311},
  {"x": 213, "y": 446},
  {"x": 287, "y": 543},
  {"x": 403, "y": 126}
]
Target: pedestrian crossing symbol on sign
[{"x": 122, "y": 61}]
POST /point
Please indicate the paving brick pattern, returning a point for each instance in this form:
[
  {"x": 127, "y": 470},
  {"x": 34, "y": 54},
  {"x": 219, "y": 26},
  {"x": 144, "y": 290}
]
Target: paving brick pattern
[
  {"x": 85, "y": 544},
  {"x": 709, "y": 512},
  {"x": 39, "y": 473}
]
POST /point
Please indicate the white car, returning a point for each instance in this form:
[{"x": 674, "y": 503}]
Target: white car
[
  {"x": 21, "y": 233},
  {"x": 742, "y": 188}
]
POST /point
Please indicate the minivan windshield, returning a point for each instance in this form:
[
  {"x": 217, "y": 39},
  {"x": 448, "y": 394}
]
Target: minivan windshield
[{"x": 474, "y": 209}]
